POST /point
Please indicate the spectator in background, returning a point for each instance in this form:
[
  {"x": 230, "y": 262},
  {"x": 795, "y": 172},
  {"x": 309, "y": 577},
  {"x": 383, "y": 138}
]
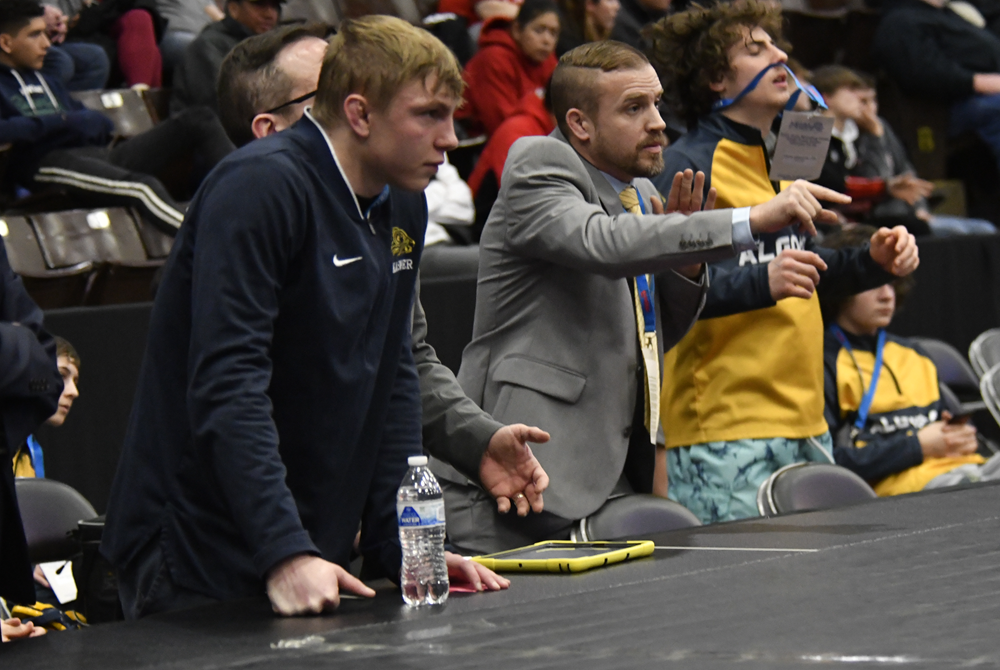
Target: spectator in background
[
  {"x": 515, "y": 59},
  {"x": 197, "y": 73},
  {"x": 185, "y": 19},
  {"x": 636, "y": 15},
  {"x": 864, "y": 145},
  {"x": 78, "y": 65},
  {"x": 906, "y": 441},
  {"x": 533, "y": 116},
  {"x": 29, "y": 394},
  {"x": 585, "y": 21},
  {"x": 477, "y": 12},
  {"x": 934, "y": 54},
  {"x": 743, "y": 390},
  {"x": 56, "y": 141},
  {"x": 127, "y": 30},
  {"x": 28, "y": 460}
]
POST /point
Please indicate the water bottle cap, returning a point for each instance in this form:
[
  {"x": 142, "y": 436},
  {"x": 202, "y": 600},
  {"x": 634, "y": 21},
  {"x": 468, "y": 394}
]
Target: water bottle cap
[{"x": 414, "y": 461}]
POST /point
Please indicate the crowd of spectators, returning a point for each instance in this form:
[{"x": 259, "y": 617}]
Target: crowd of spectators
[{"x": 770, "y": 365}]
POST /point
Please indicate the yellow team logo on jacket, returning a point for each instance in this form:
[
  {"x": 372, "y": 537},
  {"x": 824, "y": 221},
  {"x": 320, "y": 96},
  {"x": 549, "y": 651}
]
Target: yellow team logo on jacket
[{"x": 401, "y": 242}]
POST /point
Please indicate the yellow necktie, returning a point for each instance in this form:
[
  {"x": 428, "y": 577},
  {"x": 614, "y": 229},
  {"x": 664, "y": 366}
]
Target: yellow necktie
[{"x": 647, "y": 341}]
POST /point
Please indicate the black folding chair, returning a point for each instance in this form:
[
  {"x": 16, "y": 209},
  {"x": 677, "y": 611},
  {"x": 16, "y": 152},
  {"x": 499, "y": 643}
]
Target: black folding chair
[
  {"x": 633, "y": 516},
  {"x": 803, "y": 487}
]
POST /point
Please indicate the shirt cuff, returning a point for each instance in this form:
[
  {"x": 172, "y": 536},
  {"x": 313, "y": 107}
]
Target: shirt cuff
[{"x": 742, "y": 235}]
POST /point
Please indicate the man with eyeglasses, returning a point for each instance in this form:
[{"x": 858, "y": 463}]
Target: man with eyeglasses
[{"x": 267, "y": 81}]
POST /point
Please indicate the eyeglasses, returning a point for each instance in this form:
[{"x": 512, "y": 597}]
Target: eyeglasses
[{"x": 301, "y": 98}]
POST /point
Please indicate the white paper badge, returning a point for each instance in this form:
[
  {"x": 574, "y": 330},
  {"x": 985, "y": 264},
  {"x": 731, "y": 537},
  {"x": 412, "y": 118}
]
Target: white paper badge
[
  {"x": 60, "y": 576},
  {"x": 802, "y": 144}
]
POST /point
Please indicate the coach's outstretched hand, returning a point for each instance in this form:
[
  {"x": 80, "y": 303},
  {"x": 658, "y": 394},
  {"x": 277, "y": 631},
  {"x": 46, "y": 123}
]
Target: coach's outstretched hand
[
  {"x": 511, "y": 473},
  {"x": 799, "y": 203}
]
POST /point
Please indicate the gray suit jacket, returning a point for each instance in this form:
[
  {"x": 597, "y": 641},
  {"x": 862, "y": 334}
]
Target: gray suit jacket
[
  {"x": 554, "y": 343},
  {"x": 455, "y": 429}
]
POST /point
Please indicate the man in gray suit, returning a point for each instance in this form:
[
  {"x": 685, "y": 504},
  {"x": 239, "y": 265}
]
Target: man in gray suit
[{"x": 563, "y": 294}]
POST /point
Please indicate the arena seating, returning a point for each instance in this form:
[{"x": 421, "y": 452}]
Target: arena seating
[
  {"x": 85, "y": 257},
  {"x": 127, "y": 108}
]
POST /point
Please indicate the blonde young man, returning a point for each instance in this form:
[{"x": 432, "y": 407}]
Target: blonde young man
[{"x": 278, "y": 401}]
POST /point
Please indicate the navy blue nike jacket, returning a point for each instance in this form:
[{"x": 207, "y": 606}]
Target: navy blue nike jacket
[
  {"x": 37, "y": 115},
  {"x": 278, "y": 400}
]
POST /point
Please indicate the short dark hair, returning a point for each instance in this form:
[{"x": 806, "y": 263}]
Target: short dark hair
[
  {"x": 532, "y": 9},
  {"x": 250, "y": 81},
  {"x": 690, "y": 49},
  {"x": 856, "y": 237},
  {"x": 16, "y": 14},
  {"x": 63, "y": 347},
  {"x": 831, "y": 78},
  {"x": 572, "y": 83}
]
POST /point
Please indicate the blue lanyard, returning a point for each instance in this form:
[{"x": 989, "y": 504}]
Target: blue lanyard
[
  {"x": 866, "y": 401},
  {"x": 646, "y": 287},
  {"x": 810, "y": 91},
  {"x": 37, "y": 460}
]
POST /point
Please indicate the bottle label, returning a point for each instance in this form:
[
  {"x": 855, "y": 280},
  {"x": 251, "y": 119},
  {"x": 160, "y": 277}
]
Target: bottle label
[{"x": 426, "y": 513}]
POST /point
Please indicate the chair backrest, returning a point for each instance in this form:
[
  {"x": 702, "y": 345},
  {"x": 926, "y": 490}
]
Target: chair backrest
[
  {"x": 634, "y": 516},
  {"x": 125, "y": 107},
  {"x": 23, "y": 250},
  {"x": 953, "y": 369},
  {"x": 984, "y": 352},
  {"x": 802, "y": 487},
  {"x": 157, "y": 243},
  {"x": 989, "y": 385},
  {"x": 50, "y": 510},
  {"x": 75, "y": 236}
]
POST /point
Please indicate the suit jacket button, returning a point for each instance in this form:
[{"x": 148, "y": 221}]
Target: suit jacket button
[{"x": 627, "y": 433}]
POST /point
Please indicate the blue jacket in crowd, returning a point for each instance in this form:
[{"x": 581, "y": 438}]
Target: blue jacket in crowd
[
  {"x": 37, "y": 116},
  {"x": 278, "y": 400}
]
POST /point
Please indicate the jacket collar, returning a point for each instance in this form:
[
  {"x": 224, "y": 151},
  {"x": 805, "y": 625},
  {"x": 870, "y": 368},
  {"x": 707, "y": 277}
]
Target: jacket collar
[
  {"x": 719, "y": 124},
  {"x": 312, "y": 139},
  {"x": 609, "y": 197},
  {"x": 231, "y": 26}
]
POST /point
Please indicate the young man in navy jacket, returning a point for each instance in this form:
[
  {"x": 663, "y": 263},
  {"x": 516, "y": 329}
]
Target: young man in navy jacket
[
  {"x": 278, "y": 401},
  {"x": 56, "y": 141}
]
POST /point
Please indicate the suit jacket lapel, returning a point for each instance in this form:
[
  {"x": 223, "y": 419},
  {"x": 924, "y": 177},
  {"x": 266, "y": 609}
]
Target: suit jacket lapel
[{"x": 610, "y": 201}]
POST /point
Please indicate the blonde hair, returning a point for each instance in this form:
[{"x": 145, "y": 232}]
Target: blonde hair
[{"x": 376, "y": 56}]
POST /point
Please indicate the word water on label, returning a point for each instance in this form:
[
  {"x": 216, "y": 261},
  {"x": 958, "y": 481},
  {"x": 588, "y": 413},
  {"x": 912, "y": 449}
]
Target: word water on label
[{"x": 430, "y": 513}]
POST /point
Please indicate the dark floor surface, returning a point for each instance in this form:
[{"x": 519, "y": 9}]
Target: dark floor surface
[{"x": 911, "y": 582}]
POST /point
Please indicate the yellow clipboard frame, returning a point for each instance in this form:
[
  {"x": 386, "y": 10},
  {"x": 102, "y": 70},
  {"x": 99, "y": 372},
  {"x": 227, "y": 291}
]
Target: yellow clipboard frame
[{"x": 563, "y": 565}]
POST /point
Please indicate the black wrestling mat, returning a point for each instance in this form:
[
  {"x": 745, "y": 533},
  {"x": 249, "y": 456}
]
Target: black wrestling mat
[{"x": 911, "y": 582}]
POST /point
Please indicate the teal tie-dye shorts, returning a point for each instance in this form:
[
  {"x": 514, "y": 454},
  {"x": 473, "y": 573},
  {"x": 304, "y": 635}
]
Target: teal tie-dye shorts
[{"x": 718, "y": 481}]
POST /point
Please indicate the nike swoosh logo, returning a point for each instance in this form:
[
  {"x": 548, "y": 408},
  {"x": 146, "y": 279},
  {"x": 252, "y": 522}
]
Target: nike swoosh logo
[{"x": 341, "y": 262}]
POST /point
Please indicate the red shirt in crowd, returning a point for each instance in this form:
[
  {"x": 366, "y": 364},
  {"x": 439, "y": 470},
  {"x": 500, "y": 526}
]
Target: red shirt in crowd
[
  {"x": 498, "y": 77},
  {"x": 464, "y": 8},
  {"x": 530, "y": 118}
]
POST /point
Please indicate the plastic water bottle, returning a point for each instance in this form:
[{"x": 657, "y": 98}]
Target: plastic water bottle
[{"x": 420, "y": 512}]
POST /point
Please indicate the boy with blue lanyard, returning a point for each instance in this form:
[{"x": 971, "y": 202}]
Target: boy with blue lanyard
[
  {"x": 28, "y": 460},
  {"x": 882, "y": 397},
  {"x": 742, "y": 391}
]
